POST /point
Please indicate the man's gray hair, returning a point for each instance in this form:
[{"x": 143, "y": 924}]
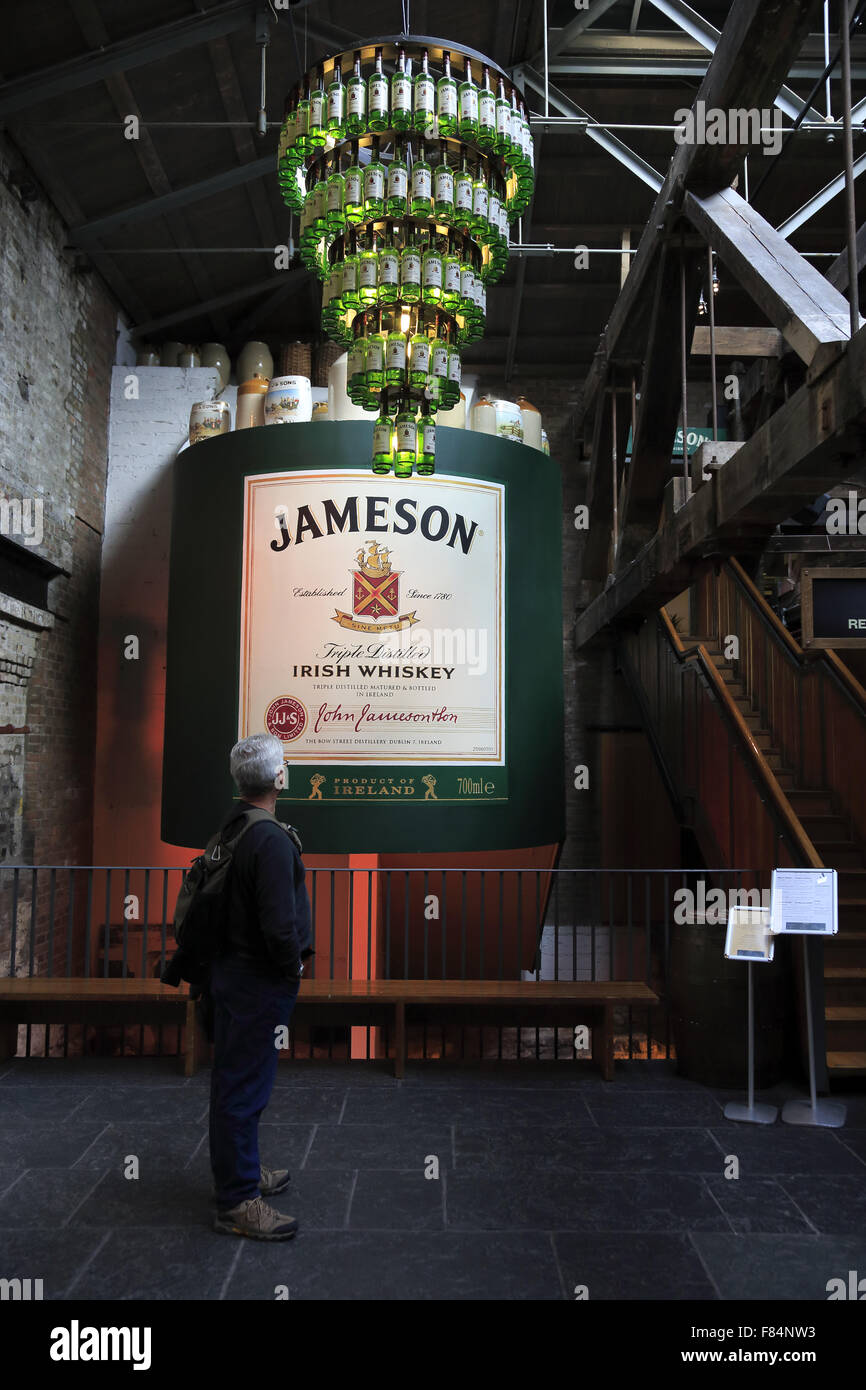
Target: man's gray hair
[{"x": 255, "y": 762}]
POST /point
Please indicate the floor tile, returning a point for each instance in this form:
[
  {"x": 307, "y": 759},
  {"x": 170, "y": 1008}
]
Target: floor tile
[
  {"x": 40, "y": 1102},
  {"x": 389, "y": 1201},
  {"x": 567, "y": 1201},
  {"x": 169, "y": 1264},
  {"x": 615, "y": 1150},
  {"x": 834, "y": 1203},
  {"x": 160, "y": 1104},
  {"x": 45, "y": 1197},
  {"x": 305, "y": 1105},
  {"x": 157, "y": 1199},
  {"x": 647, "y": 1107},
  {"x": 778, "y": 1267},
  {"x": 758, "y": 1204},
  {"x": 380, "y": 1146},
  {"x": 94, "y": 1071},
  {"x": 769, "y": 1150},
  {"x": 467, "y": 1104},
  {"x": 658, "y": 1267},
  {"x": 38, "y": 1144},
  {"x": 55, "y": 1257},
  {"x": 155, "y": 1145},
  {"x": 388, "y": 1266}
]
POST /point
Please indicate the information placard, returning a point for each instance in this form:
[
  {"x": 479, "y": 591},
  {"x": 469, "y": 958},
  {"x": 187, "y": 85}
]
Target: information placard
[
  {"x": 805, "y": 902},
  {"x": 749, "y": 936}
]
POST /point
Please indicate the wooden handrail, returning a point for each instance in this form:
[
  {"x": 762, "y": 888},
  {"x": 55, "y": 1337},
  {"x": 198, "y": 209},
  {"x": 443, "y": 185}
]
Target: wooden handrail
[
  {"x": 806, "y": 659},
  {"x": 781, "y": 803}
]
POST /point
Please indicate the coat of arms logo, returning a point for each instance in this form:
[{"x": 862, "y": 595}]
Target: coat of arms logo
[{"x": 375, "y": 594}]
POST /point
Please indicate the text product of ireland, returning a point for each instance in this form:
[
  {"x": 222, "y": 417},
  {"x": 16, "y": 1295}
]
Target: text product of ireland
[{"x": 373, "y": 618}]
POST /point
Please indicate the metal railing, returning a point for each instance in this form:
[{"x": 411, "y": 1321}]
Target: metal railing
[{"x": 381, "y": 923}]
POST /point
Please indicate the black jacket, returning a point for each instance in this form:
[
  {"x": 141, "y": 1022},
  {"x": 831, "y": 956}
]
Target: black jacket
[{"x": 268, "y": 920}]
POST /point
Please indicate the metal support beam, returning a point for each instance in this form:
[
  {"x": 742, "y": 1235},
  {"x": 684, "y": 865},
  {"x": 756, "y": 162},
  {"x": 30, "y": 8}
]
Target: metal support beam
[
  {"x": 558, "y": 39},
  {"x": 163, "y": 204},
  {"x": 708, "y": 36},
  {"x": 614, "y": 146},
  {"x": 820, "y": 200},
  {"x": 193, "y": 311}
]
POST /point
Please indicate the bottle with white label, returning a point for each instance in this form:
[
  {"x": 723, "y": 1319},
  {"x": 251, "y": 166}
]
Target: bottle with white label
[
  {"x": 503, "y": 121},
  {"x": 374, "y": 358},
  {"x": 425, "y": 455},
  {"x": 395, "y": 357},
  {"x": 424, "y": 114},
  {"x": 374, "y": 185},
  {"x": 422, "y": 186},
  {"x": 431, "y": 274},
  {"x": 405, "y": 440},
  {"x": 368, "y": 274},
  {"x": 337, "y": 197},
  {"x": 356, "y": 383},
  {"x": 377, "y": 97},
  {"x": 401, "y": 95},
  {"x": 318, "y": 132},
  {"x": 439, "y": 358},
  {"x": 486, "y": 113},
  {"x": 463, "y": 191},
  {"x": 451, "y": 278},
  {"x": 398, "y": 183},
  {"x": 337, "y": 104},
  {"x": 356, "y": 100},
  {"x": 302, "y": 122},
  {"x": 351, "y": 291},
  {"x": 419, "y": 360},
  {"x": 383, "y": 431},
  {"x": 443, "y": 187},
  {"x": 410, "y": 272},
  {"x": 446, "y": 100},
  {"x": 480, "y": 204},
  {"x": 389, "y": 270},
  {"x": 468, "y": 97},
  {"x": 353, "y": 184}
]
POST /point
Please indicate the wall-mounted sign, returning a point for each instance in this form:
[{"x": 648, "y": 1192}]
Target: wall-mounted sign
[
  {"x": 805, "y": 902},
  {"x": 833, "y": 607},
  {"x": 393, "y": 658},
  {"x": 403, "y": 638}
]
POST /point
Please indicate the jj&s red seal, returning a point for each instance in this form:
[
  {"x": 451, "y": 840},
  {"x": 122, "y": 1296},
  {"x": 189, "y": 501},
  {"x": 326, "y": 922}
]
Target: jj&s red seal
[{"x": 286, "y": 718}]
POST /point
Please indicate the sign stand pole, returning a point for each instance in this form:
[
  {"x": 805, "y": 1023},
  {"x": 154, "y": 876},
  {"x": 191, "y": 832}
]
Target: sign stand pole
[
  {"x": 829, "y": 1114},
  {"x": 752, "y": 1114}
]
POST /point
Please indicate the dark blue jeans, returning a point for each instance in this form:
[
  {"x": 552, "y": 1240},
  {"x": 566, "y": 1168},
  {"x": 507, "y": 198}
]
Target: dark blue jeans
[{"x": 248, "y": 1006}]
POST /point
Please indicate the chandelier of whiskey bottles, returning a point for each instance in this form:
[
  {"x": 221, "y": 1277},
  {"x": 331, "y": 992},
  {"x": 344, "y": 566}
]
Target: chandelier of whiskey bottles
[{"x": 405, "y": 180}]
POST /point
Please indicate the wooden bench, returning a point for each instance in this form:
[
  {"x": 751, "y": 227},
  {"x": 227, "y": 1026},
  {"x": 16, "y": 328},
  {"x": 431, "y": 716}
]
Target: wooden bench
[
  {"x": 98, "y": 1001},
  {"x": 479, "y": 1002},
  {"x": 371, "y": 1003}
]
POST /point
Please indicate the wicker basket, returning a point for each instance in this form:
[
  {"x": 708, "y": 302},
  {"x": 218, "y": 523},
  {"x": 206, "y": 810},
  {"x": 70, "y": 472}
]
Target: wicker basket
[
  {"x": 325, "y": 357},
  {"x": 295, "y": 359}
]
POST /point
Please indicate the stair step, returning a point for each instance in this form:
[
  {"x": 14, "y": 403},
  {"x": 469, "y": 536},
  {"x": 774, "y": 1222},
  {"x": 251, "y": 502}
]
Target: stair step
[
  {"x": 839, "y": 854},
  {"x": 845, "y": 1026},
  {"x": 845, "y": 972},
  {"x": 846, "y": 1061},
  {"x": 848, "y": 948},
  {"x": 819, "y": 828},
  {"x": 814, "y": 803}
]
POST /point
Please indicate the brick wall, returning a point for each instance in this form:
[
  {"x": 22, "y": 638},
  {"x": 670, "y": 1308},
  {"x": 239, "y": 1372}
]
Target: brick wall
[{"x": 59, "y": 329}]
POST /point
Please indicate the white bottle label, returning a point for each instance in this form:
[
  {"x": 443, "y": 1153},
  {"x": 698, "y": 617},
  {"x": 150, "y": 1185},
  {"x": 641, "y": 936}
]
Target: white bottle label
[
  {"x": 336, "y": 103},
  {"x": 440, "y": 361},
  {"x": 463, "y": 192},
  {"x": 480, "y": 202},
  {"x": 467, "y": 284},
  {"x": 382, "y": 437},
  {"x": 401, "y": 94},
  {"x": 444, "y": 186},
  {"x": 369, "y": 272},
  {"x": 357, "y": 102},
  {"x": 389, "y": 268},
  {"x": 355, "y": 364},
  {"x": 428, "y": 437},
  {"x": 396, "y": 357},
  {"x": 469, "y": 104},
  {"x": 320, "y": 200},
  {"x": 454, "y": 367},
  {"x": 411, "y": 269},
  {"x": 494, "y": 210},
  {"x": 406, "y": 436},
  {"x": 398, "y": 181},
  {"x": 424, "y": 94},
  {"x": 335, "y": 196},
  {"x": 378, "y": 94},
  {"x": 373, "y": 359},
  {"x": 353, "y": 188},
  {"x": 420, "y": 182},
  {"x": 503, "y": 119},
  {"x": 448, "y": 100},
  {"x": 421, "y": 356},
  {"x": 451, "y": 277},
  {"x": 432, "y": 271},
  {"x": 350, "y": 276},
  {"x": 487, "y": 110},
  {"x": 374, "y": 183},
  {"x": 317, "y": 109}
]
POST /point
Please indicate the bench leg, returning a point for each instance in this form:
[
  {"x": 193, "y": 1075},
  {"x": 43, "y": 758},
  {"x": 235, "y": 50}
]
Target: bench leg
[{"x": 400, "y": 1039}]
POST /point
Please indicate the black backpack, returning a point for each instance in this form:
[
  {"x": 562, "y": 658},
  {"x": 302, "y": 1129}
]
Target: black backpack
[{"x": 203, "y": 900}]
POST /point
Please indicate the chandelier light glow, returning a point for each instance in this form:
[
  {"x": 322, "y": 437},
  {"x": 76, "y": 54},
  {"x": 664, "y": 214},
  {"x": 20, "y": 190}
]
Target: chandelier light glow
[{"x": 405, "y": 180}]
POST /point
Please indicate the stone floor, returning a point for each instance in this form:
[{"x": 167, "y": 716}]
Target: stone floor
[{"x": 549, "y": 1179}]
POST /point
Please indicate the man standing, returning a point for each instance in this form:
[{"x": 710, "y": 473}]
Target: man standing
[{"x": 254, "y": 984}]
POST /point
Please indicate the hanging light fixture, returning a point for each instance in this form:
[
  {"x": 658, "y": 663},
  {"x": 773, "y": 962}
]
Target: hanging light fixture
[{"x": 405, "y": 184}]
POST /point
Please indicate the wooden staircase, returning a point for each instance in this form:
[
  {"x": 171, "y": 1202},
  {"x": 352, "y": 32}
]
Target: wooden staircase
[{"x": 827, "y": 824}]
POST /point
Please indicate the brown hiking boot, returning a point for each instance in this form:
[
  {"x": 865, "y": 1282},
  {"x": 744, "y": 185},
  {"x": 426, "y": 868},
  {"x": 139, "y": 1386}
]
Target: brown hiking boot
[{"x": 254, "y": 1218}]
